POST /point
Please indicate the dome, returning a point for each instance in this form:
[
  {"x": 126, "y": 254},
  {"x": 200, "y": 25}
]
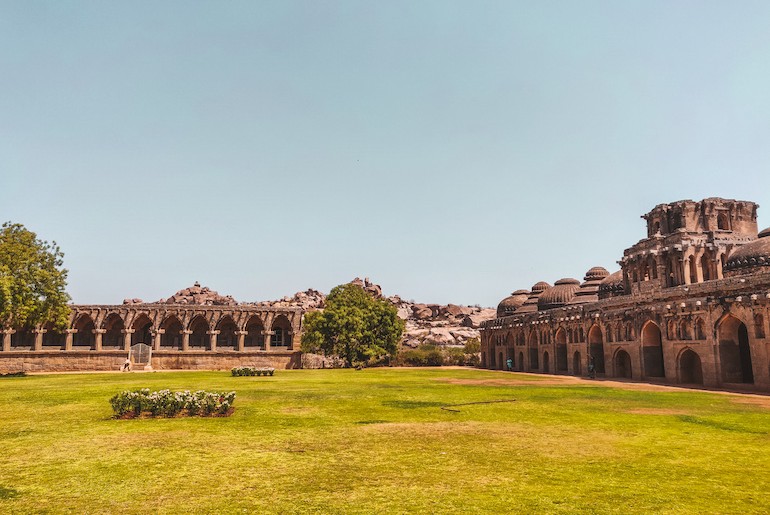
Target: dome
[
  {"x": 560, "y": 294},
  {"x": 750, "y": 257},
  {"x": 589, "y": 290},
  {"x": 510, "y": 304},
  {"x": 530, "y": 305},
  {"x": 612, "y": 285}
]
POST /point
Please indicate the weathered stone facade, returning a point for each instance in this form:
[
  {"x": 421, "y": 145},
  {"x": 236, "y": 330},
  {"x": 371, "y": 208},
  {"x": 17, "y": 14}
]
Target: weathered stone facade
[
  {"x": 690, "y": 305},
  {"x": 181, "y": 336}
]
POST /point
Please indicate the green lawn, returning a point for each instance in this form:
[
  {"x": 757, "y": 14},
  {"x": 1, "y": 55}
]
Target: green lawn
[{"x": 375, "y": 441}]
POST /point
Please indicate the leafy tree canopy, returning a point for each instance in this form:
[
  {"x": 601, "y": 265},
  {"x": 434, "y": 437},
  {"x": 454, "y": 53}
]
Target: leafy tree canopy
[
  {"x": 32, "y": 279},
  {"x": 353, "y": 325}
]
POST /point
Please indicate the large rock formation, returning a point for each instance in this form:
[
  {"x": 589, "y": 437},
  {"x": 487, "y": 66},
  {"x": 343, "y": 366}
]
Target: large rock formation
[{"x": 199, "y": 295}]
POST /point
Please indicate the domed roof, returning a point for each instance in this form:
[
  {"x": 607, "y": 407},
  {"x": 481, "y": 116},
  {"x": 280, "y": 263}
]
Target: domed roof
[
  {"x": 751, "y": 256},
  {"x": 509, "y": 304},
  {"x": 589, "y": 290},
  {"x": 562, "y": 292},
  {"x": 612, "y": 285},
  {"x": 530, "y": 305}
]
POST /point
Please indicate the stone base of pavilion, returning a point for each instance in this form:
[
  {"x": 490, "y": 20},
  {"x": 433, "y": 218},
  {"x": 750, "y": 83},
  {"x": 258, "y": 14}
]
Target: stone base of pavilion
[{"x": 113, "y": 360}]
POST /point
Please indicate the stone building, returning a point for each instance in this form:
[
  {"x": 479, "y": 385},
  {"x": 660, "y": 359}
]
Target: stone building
[
  {"x": 182, "y": 336},
  {"x": 690, "y": 305}
]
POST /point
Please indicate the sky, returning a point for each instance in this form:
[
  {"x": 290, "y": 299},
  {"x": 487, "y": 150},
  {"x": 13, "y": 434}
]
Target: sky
[{"x": 450, "y": 151}]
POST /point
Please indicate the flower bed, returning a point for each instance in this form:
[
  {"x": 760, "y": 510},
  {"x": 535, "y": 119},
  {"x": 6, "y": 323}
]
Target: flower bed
[
  {"x": 165, "y": 403},
  {"x": 252, "y": 371}
]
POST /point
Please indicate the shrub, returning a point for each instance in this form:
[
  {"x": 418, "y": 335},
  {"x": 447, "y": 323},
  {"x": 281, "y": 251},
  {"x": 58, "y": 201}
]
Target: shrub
[
  {"x": 165, "y": 403},
  {"x": 252, "y": 371}
]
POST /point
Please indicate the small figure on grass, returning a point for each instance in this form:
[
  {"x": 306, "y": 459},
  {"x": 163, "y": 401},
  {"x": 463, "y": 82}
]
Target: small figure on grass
[
  {"x": 509, "y": 364},
  {"x": 126, "y": 366}
]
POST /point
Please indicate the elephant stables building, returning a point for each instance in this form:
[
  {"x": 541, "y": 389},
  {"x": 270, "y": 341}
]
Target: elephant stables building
[
  {"x": 690, "y": 305},
  {"x": 168, "y": 336}
]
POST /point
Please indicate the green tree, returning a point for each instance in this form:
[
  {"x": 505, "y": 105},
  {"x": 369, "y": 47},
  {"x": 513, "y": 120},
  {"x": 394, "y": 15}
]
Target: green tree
[
  {"x": 32, "y": 280},
  {"x": 353, "y": 325}
]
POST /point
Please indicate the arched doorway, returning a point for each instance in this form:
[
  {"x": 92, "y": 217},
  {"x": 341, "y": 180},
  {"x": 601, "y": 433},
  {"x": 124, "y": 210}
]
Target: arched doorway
[
  {"x": 521, "y": 362},
  {"x": 546, "y": 363},
  {"x": 171, "y": 338},
  {"x": 623, "y": 364},
  {"x": 255, "y": 337},
  {"x": 577, "y": 368},
  {"x": 596, "y": 348},
  {"x": 53, "y": 338},
  {"x": 142, "y": 327},
  {"x": 113, "y": 336},
  {"x": 734, "y": 351},
  {"x": 199, "y": 338},
  {"x": 500, "y": 362},
  {"x": 534, "y": 361},
  {"x": 84, "y": 338},
  {"x": 690, "y": 369},
  {"x": 281, "y": 336},
  {"x": 227, "y": 339},
  {"x": 561, "y": 350},
  {"x": 652, "y": 350}
]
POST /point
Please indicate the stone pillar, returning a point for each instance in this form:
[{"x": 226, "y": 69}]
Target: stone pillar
[
  {"x": 98, "y": 338},
  {"x": 213, "y": 340},
  {"x": 127, "y": 338},
  {"x": 241, "y": 339},
  {"x": 186, "y": 340},
  {"x": 290, "y": 339},
  {"x": 68, "y": 339},
  {"x": 7, "y": 339},
  {"x": 38, "y": 339},
  {"x": 267, "y": 335},
  {"x": 718, "y": 267},
  {"x": 686, "y": 270},
  {"x": 156, "y": 338}
]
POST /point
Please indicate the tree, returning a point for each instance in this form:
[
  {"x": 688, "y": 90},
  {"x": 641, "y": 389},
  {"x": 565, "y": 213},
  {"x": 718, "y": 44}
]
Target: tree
[
  {"x": 32, "y": 280},
  {"x": 353, "y": 325}
]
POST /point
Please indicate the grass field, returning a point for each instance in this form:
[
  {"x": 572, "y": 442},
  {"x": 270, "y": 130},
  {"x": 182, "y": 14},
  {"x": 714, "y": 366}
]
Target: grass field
[{"x": 378, "y": 441}]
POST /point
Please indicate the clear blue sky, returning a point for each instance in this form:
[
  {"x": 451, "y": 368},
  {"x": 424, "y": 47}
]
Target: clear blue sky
[{"x": 452, "y": 151}]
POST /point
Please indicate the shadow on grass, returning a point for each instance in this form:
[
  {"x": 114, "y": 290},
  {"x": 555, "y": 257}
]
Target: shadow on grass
[
  {"x": 8, "y": 493},
  {"x": 718, "y": 425}
]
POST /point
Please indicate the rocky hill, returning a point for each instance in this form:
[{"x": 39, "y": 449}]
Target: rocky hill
[{"x": 438, "y": 324}]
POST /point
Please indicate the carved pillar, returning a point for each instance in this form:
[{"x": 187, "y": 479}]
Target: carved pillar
[
  {"x": 241, "y": 339},
  {"x": 289, "y": 339},
  {"x": 718, "y": 267},
  {"x": 68, "y": 339},
  {"x": 156, "y": 338},
  {"x": 38, "y": 339},
  {"x": 186, "y": 340},
  {"x": 213, "y": 340},
  {"x": 127, "y": 338},
  {"x": 98, "y": 338},
  {"x": 267, "y": 335}
]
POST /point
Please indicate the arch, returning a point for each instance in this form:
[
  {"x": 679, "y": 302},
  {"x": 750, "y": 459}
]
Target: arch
[
  {"x": 282, "y": 336},
  {"x": 670, "y": 330},
  {"x": 142, "y": 327},
  {"x": 608, "y": 330},
  {"x": 199, "y": 337},
  {"x": 705, "y": 266},
  {"x": 113, "y": 336},
  {"x": 492, "y": 362},
  {"x": 700, "y": 329},
  {"x": 623, "y": 364},
  {"x": 227, "y": 338},
  {"x": 690, "y": 369},
  {"x": 23, "y": 339},
  {"x": 546, "y": 363},
  {"x": 521, "y": 362},
  {"x": 576, "y": 364},
  {"x": 723, "y": 222},
  {"x": 652, "y": 350},
  {"x": 629, "y": 332},
  {"x": 500, "y": 361},
  {"x": 54, "y": 338},
  {"x": 596, "y": 348},
  {"x": 255, "y": 333},
  {"x": 561, "y": 350},
  {"x": 171, "y": 338},
  {"x": 734, "y": 350},
  {"x": 684, "y": 330},
  {"x": 653, "y": 265},
  {"x": 84, "y": 338}
]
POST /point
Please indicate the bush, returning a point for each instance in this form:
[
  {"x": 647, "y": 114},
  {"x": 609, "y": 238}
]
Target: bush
[
  {"x": 428, "y": 355},
  {"x": 165, "y": 403},
  {"x": 252, "y": 371}
]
